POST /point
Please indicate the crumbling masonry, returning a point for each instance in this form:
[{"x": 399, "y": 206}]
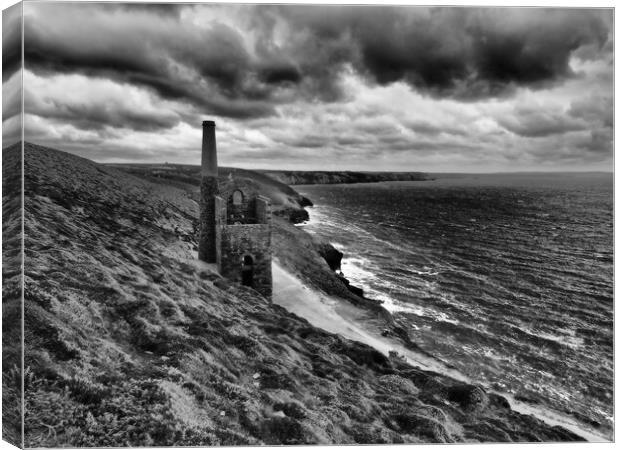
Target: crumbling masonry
[{"x": 235, "y": 225}]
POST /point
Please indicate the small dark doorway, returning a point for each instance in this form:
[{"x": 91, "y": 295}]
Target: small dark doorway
[{"x": 247, "y": 271}]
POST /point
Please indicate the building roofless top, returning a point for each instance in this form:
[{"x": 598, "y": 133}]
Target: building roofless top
[{"x": 235, "y": 224}]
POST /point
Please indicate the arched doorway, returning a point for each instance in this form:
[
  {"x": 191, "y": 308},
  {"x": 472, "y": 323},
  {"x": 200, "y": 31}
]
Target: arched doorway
[{"x": 247, "y": 271}]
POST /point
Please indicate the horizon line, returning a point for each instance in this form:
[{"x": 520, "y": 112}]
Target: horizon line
[{"x": 363, "y": 171}]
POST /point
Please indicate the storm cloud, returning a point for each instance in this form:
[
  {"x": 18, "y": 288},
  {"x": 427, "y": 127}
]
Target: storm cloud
[
  {"x": 353, "y": 80},
  {"x": 11, "y": 41},
  {"x": 466, "y": 53},
  {"x": 459, "y": 52}
]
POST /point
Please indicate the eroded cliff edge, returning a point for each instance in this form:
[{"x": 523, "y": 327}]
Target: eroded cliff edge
[
  {"x": 131, "y": 341},
  {"x": 295, "y": 177}
]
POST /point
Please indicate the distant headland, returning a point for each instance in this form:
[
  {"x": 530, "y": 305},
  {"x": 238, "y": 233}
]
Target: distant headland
[{"x": 296, "y": 177}]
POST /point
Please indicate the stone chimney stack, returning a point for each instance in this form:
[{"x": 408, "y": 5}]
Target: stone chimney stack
[
  {"x": 209, "y": 150},
  {"x": 207, "y": 250}
]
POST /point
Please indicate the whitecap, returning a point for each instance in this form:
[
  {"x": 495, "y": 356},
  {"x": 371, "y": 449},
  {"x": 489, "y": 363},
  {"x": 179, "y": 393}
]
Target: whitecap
[
  {"x": 354, "y": 269},
  {"x": 337, "y": 246},
  {"x": 569, "y": 339}
]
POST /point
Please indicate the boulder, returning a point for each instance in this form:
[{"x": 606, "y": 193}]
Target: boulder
[
  {"x": 298, "y": 215},
  {"x": 469, "y": 397},
  {"x": 305, "y": 201},
  {"x": 425, "y": 428},
  {"x": 356, "y": 290},
  {"x": 283, "y": 431},
  {"x": 331, "y": 255}
]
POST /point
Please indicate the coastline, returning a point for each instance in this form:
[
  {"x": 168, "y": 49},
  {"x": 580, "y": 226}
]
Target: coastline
[{"x": 339, "y": 317}]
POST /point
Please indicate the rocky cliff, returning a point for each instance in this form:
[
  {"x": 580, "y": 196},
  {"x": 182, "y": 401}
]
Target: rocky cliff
[{"x": 130, "y": 341}]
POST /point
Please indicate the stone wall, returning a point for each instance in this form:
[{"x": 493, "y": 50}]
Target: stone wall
[
  {"x": 263, "y": 210},
  {"x": 207, "y": 249},
  {"x": 244, "y": 213},
  {"x": 220, "y": 221},
  {"x": 238, "y": 241}
]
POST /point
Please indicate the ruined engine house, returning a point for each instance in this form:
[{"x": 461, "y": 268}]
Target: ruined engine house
[{"x": 235, "y": 224}]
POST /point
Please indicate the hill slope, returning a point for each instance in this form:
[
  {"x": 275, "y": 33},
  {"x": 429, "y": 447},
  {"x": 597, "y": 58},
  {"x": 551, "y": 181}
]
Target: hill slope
[
  {"x": 131, "y": 341},
  {"x": 283, "y": 198},
  {"x": 11, "y": 294}
]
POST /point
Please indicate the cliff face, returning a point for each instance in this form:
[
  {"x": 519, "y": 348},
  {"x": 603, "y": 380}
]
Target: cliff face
[
  {"x": 131, "y": 341},
  {"x": 291, "y": 177}
]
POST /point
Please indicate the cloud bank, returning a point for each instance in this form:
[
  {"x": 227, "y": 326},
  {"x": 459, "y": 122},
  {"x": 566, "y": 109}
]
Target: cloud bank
[{"x": 325, "y": 86}]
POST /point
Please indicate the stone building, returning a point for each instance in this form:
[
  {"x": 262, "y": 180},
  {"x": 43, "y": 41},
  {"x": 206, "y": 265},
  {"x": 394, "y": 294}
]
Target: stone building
[{"x": 235, "y": 224}]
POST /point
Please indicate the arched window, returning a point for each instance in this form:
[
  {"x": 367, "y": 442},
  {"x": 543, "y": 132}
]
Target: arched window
[
  {"x": 237, "y": 197},
  {"x": 247, "y": 271}
]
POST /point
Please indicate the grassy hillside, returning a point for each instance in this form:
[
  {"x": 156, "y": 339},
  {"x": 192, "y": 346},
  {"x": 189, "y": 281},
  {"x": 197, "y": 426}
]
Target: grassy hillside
[
  {"x": 11, "y": 295},
  {"x": 131, "y": 341}
]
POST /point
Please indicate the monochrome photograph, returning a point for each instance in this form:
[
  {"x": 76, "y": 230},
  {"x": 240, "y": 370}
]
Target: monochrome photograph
[{"x": 237, "y": 224}]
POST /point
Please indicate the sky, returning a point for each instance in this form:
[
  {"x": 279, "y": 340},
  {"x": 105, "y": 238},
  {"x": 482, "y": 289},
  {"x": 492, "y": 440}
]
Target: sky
[{"x": 316, "y": 87}]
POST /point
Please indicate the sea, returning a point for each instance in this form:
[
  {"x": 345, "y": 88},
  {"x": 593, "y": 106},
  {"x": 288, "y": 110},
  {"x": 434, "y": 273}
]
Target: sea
[{"x": 506, "y": 278}]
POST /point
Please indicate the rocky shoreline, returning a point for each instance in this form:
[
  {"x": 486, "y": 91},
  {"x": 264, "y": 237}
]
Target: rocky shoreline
[{"x": 333, "y": 258}]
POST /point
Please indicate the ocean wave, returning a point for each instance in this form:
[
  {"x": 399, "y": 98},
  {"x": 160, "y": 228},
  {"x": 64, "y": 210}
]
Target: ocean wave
[
  {"x": 338, "y": 246},
  {"x": 428, "y": 271},
  {"x": 526, "y": 290},
  {"x": 358, "y": 269},
  {"x": 569, "y": 339},
  {"x": 421, "y": 311}
]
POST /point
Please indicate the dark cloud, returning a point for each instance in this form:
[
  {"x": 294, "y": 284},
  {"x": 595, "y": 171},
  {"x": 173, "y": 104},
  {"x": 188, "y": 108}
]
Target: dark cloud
[
  {"x": 594, "y": 109},
  {"x": 534, "y": 48},
  {"x": 306, "y": 141},
  {"x": 308, "y": 77},
  {"x": 536, "y": 123},
  {"x": 465, "y": 53},
  {"x": 97, "y": 116},
  {"x": 209, "y": 68},
  {"x": 433, "y": 129},
  {"x": 11, "y": 41},
  {"x": 353, "y": 140},
  {"x": 281, "y": 74},
  {"x": 600, "y": 142},
  {"x": 163, "y": 9},
  {"x": 11, "y": 64}
]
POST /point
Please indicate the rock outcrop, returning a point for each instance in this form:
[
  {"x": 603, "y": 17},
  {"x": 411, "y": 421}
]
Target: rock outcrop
[{"x": 330, "y": 254}]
